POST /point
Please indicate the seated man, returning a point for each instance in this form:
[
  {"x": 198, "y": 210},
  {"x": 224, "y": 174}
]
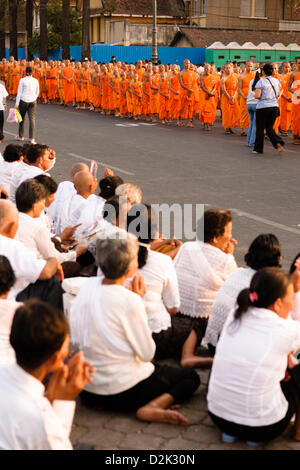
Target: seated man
[
  {"x": 40, "y": 338},
  {"x": 35, "y": 277},
  {"x": 39, "y": 159},
  {"x": 12, "y": 155}
]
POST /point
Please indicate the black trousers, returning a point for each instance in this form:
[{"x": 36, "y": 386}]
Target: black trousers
[
  {"x": 1, "y": 124},
  {"x": 180, "y": 383},
  {"x": 265, "y": 119},
  {"x": 29, "y": 108},
  {"x": 49, "y": 291}
]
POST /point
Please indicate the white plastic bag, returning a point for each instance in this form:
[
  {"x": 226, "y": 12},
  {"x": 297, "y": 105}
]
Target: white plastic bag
[{"x": 12, "y": 116}]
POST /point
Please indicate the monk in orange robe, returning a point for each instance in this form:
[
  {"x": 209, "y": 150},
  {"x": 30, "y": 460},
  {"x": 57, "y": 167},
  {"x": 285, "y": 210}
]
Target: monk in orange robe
[
  {"x": 154, "y": 94},
  {"x": 77, "y": 84},
  {"x": 286, "y": 101},
  {"x": 9, "y": 82},
  {"x": 116, "y": 92},
  {"x": 84, "y": 78},
  {"x": 279, "y": 77},
  {"x": 175, "y": 98},
  {"x": 129, "y": 93},
  {"x": 97, "y": 98},
  {"x": 209, "y": 107},
  {"x": 147, "y": 92},
  {"x": 139, "y": 70},
  {"x": 137, "y": 89},
  {"x": 163, "y": 90},
  {"x": 243, "y": 89},
  {"x": 123, "y": 101},
  {"x": 229, "y": 99},
  {"x": 51, "y": 78},
  {"x": 186, "y": 80},
  {"x": 16, "y": 77},
  {"x": 104, "y": 91},
  {"x": 294, "y": 88},
  {"x": 69, "y": 89}
]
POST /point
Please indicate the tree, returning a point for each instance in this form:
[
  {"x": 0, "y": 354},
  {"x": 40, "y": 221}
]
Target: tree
[
  {"x": 13, "y": 27},
  {"x": 43, "y": 30},
  {"x": 29, "y": 24},
  {"x": 2, "y": 28},
  {"x": 65, "y": 30},
  {"x": 86, "y": 45}
]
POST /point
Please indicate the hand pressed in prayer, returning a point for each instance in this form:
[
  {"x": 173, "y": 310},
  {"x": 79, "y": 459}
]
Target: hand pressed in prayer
[
  {"x": 138, "y": 285},
  {"x": 107, "y": 172},
  {"x": 70, "y": 379},
  {"x": 231, "y": 246}
]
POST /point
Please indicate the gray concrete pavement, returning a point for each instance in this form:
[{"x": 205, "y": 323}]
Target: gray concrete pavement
[{"x": 184, "y": 166}]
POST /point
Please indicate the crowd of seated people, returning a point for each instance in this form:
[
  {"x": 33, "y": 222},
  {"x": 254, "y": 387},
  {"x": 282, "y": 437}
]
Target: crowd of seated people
[{"x": 137, "y": 298}]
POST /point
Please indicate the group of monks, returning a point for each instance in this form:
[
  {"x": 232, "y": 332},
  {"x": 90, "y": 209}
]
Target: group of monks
[{"x": 159, "y": 92}]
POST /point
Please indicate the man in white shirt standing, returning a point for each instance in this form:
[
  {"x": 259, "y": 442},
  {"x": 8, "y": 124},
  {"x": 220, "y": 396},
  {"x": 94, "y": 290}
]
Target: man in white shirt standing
[
  {"x": 40, "y": 338},
  {"x": 26, "y": 101},
  {"x": 3, "y": 95}
]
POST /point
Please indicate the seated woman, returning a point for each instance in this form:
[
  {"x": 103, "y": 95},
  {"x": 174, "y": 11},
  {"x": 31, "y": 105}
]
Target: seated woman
[
  {"x": 172, "y": 339},
  {"x": 109, "y": 323},
  {"x": 264, "y": 251},
  {"x": 203, "y": 267},
  {"x": 7, "y": 310},
  {"x": 247, "y": 396},
  {"x": 32, "y": 232}
]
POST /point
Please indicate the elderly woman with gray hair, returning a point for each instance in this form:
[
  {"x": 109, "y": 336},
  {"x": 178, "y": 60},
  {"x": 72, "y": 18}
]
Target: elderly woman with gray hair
[{"x": 109, "y": 323}]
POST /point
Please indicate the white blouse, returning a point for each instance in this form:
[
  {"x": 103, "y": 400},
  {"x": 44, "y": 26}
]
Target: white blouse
[
  {"x": 201, "y": 270},
  {"x": 121, "y": 353},
  {"x": 64, "y": 191},
  {"x": 161, "y": 290},
  {"x": 250, "y": 361},
  {"x": 22, "y": 172},
  {"x": 7, "y": 312},
  {"x": 7, "y": 170}
]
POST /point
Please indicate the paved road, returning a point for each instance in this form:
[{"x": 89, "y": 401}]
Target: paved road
[{"x": 178, "y": 165}]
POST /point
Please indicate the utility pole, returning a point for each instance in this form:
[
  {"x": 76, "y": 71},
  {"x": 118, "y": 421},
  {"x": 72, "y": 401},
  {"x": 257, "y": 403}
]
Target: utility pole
[{"x": 154, "y": 57}]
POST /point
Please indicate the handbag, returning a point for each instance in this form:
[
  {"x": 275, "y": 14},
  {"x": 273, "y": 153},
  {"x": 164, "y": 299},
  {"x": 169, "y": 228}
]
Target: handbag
[
  {"x": 278, "y": 110},
  {"x": 12, "y": 116}
]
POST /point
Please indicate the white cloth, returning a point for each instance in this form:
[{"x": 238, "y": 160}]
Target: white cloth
[
  {"x": 71, "y": 210},
  {"x": 64, "y": 191},
  {"x": 225, "y": 301},
  {"x": 250, "y": 361},
  {"x": 28, "y": 420},
  {"x": 161, "y": 290},
  {"x": 22, "y": 172},
  {"x": 27, "y": 267},
  {"x": 110, "y": 324},
  {"x": 7, "y": 311},
  {"x": 28, "y": 90},
  {"x": 7, "y": 170},
  {"x": 36, "y": 237},
  {"x": 251, "y": 95},
  {"x": 3, "y": 95},
  {"x": 201, "y": 270}
]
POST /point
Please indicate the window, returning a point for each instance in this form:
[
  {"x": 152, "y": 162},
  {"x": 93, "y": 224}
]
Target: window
[
  {"x": 203, "y": 7},
  {"x": 196, "y": 7},
  {"x": 290, "y": 10},
  {"x": 199, "y": 8},
  {"x": 253, "y": 8}
]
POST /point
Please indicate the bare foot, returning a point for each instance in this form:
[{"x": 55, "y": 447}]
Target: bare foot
[
  {"x": 159, "y": 415},
  {"x": 196, "y": 361},
  {"x": 280, "y": 148},
  {"x": 189, "y": 125}
]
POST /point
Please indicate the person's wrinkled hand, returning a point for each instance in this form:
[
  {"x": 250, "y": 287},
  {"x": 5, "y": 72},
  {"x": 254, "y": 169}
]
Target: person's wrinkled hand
[
  {"x": 138, "y": 285},
  {"x": 68, "y": 232}
]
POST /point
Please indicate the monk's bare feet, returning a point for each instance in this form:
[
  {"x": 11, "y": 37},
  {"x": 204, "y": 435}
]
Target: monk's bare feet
[
  {"x": 280, "y": 148},
  {"x": 159, "y": 415},
  {"x": 189, "y": 124},
  {"x": 196, "y": 361}
]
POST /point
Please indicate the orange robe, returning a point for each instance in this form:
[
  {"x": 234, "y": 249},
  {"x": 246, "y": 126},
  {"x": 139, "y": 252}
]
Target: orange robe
[
  {"x": 154, "y": 96},
  {"x": 187, "y": 102},
  {"x": 52, "y": 83},
  {"x": 196, "y": 89},
  {"x": 244, "y": 118},
  {"x": 16, "y": 77},
  {"x": 78, "y": 86},
  {"x": 163, "y": 101},
  {"x": 208, "y": 111},
  {"x": 230, "y": 112},
  {"x": 69, "y": 89},
  {"x": 90, "y": 89},
  {"x": 175, "y": 101},
  {"x": 97, "y": 97},
  {"x": 110, "y": 94},
  {"x": 123, "y": 101},
  {"x": 296, "y": 107},
  {"x": 116, "y": 96},
  {"x": 129, "y": 97},
  {"x": 277, "y": 122},
  {"x": 146, "y": 99},
  {"x": 140, "y": 73},
  {"x": 286, "y": 107},
  {"x": 137, "y": 102},
  {"x": 84, "y": 86}
]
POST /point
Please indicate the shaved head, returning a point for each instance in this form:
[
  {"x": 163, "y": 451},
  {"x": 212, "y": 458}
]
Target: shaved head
[
  {"x": 84, "y": 183},
  {"x": 78, "y": 167}
]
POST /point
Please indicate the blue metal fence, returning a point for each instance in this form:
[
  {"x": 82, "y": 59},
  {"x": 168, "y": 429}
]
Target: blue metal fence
[{"x": 104, "y": 53}]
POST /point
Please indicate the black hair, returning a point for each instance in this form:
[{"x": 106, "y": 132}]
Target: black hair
[
  {"x": 28, "y": 193},
  {"x": 264, "y": 251},
  {"x": 268, "y": 284},
  {"x": 256, "y": 79},
  {"x": 49, "y": 184},
  {"x": 109, "y": 185},
  {"x": 111, "y": 209},
  {"x": 293, "y": 267},
  {"x": 25, "y": 149},
  {"x": 38, "y": 331},
  {"x": 7, "y": 275},
  {"x": 214, "y": 222},
  {"x": 29, "y": 70},
  {"x": 35, "y": 151},
  {"x": 12, "y": 153},
  {"x": 268, "y": 69},
  {"x": 144, "y": 229}
]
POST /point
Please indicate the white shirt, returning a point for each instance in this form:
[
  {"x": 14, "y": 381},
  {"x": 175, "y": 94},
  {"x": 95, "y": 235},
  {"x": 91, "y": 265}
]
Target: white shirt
[
  {"x": 64, "y": 191},
  {"x": 72, "y": 209},
  {"x": 250, "y": 361},
  {"x": 3, "y": 95},
  {"x": 26, "y": 266},
  {"x": 28, "y": 90},
  {"x": 125, "y": 317},
  {"x": 7, "y": 312},
  {"x": 7, "y": 170},
  {"x": 161, "y": 290},
  {"x": 251, "y": 95},
  {"x": 201, "y": 270},
  {"x": 22, "y": 172},
  {"x": 28, "y": 420},
  {"x": 35, "y": 236}
]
